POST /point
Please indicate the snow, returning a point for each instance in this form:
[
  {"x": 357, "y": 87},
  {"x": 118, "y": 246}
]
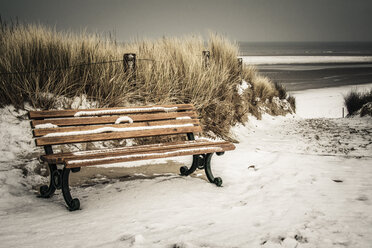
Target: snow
[
  {"x": 325, "y": 102},
  {"x": 183, "y": 118},
  {"x": 82, "y": 153},
  {"x": 282, "y": 103},
  {"x": 82, "y": 102},
  {"x": 123, "y": 119},
  {"x": 15, "y": 134},
  {"x": 208, "y": 139},
  {"x": 291, "y": 182},
  {"x": 61, "y": 102},
  {"x": 144, "y": 156},
  {"x": 116, "y": 129},
  {"x": 123, "y": 111},
  {"x": 45, "y": 125},
  {"x": 243, "y": 86}
]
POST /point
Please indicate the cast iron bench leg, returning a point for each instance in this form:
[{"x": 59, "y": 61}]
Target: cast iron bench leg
[
  {"x": 73, "y": 204},
  {"x": 202, "y": 162},
  {"x": 45, "y": 190},
  {"x": 55, "y": 177},
  {"x": 196, "y": 162},
  {"x": 208, "y": 171}
]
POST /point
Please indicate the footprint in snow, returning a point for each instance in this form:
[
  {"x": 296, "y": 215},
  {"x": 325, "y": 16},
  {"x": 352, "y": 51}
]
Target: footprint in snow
[
  {"x": 252, "y": 167},
  {"x": 181, "y": 245},
  {"x": 362, "y": 198},
  {"x": 337, "y": 180},
  {"x": 132, "y": 239}
]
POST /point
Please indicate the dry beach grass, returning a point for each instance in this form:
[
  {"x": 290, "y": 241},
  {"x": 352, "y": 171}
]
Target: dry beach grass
[
  {"x": 356, "y": 102},
  {"x": 37, "y": 66}
]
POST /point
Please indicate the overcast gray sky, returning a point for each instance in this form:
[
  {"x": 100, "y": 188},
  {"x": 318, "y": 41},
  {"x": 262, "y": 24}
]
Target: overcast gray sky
[{"x": 241, "y": 20}]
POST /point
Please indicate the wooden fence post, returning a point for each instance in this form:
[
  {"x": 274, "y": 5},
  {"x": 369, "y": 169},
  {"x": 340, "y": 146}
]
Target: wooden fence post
[
  {"x": 129, "y": 64},
  {"x": 240, "y": 65},
  {"x": 206, "y": 57}
]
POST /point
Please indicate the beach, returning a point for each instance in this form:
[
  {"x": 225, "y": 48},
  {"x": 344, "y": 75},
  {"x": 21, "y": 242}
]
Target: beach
[
  {"x": 326, "y": 102},
  {"x": 318, "y": 75},
  {"x": 268, "y": 84},
  {"x": 306, "y": 65},
  {"x": 300, "y": 180},
  {"x": 293, "y": 181}
]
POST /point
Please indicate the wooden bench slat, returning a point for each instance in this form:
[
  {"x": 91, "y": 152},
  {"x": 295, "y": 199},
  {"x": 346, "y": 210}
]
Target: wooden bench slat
[
  {"x": 61, "y": 157},
  {"x": 73, "y": 163},
  {"x": 111, "y": 119},
  {"x": 126, "y": 110},
  {"x": 45, "y": 131},
  {"x": 115, "y": 135}
]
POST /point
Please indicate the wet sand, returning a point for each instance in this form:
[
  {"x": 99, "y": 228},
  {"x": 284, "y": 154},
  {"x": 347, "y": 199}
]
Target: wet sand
[{"x": 314, "y": 76}]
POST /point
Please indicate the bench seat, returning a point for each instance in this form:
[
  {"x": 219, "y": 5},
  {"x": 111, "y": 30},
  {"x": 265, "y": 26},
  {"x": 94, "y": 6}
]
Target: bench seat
[{"x": 133, "y": 153}]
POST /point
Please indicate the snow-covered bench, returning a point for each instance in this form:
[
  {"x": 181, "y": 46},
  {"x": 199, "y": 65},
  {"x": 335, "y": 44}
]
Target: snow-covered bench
[{"x": 56, "y": 127}]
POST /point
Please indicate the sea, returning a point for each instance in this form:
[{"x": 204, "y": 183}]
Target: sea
[{"x": 311, "y": 65}]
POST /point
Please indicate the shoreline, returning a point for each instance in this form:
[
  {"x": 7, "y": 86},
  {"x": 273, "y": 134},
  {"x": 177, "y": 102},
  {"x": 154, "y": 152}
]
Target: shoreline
[
  {"x": 365, "y": 86},
  {"x": 327, "y": 86},
  {"x": 302, "y": 77}
]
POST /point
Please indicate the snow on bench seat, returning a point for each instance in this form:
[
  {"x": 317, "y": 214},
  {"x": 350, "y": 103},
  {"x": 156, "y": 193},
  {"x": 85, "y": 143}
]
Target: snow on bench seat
[
  {"x": 108, "y": 111},
  {"x": 141, "y": 156},
  {"x": 123, "y": 111},
  {"x": 151, "y": 148},
  {"x": 114, "y": 129}
]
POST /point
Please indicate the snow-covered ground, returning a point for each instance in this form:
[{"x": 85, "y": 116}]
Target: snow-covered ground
[
  {"x": 325, "y": 102},
  {"x": 291, "y": 182}
]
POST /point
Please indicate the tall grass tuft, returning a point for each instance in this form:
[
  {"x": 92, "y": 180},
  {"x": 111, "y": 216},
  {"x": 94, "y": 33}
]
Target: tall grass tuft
[
  {"x": 172, "y": 73},
  {"x": 292, "y": 102},
  {"x": 354, "y": 100},
  {"x": 282, "y": 92}
]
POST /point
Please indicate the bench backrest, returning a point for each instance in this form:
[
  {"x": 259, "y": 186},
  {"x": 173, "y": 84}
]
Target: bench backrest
[{"x": 53, "y": 127}]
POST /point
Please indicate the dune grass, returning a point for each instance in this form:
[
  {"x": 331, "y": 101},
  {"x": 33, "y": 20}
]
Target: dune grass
[
  {"x": 173, "y": 72},
  {"x": 354, "y": 100}
]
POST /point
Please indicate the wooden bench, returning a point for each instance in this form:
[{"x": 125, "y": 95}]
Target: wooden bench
[{"x": 56, "y": 127}]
